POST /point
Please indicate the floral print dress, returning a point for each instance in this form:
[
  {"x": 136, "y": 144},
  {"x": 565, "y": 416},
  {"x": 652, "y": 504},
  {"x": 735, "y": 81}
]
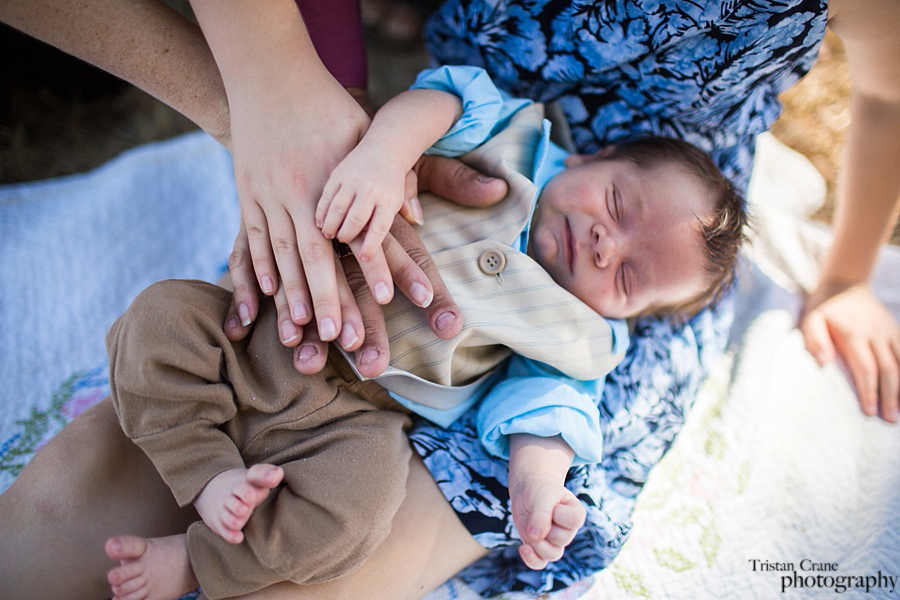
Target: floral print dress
[{"x": 708, "y": 71}]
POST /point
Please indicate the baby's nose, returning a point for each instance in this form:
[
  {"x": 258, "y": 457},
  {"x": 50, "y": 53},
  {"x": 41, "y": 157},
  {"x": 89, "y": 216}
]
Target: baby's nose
[{"x": 606, "y": 247}]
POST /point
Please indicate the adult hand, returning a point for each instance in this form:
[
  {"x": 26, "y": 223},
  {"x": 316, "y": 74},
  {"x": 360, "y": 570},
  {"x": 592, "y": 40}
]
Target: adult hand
[
  {"x": 416, "y": 276},
  {"x": 411, "y": 267},
  {"x": 851, "y": 323}
]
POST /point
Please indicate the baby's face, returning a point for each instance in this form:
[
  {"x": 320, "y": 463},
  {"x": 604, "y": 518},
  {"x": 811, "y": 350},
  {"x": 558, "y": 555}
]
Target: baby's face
[{"x": 623, "y": 239}]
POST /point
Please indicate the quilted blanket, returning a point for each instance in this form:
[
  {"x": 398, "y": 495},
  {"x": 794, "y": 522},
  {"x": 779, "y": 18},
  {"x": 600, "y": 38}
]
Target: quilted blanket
[{"x": 778, "y": 485}]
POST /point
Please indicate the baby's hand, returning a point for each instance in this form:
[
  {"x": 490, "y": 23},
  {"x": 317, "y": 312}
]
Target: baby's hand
[
  {"x": 547, "y": 516},
  {"x": 364, "y": 193}
]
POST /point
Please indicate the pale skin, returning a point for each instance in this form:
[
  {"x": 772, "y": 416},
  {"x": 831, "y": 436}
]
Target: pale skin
[
  {"x": 548, "y": 516},
  {"x": 148, "y": 44},
  {"x": 621, "y": 238},
  {"x": 842, "y": 319},
  {"x": 157, "y": 49},
  {"x": 86, "y": 500}
]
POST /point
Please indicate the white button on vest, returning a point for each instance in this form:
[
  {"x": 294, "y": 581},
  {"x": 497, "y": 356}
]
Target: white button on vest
[{"x": 492, "y": 262}]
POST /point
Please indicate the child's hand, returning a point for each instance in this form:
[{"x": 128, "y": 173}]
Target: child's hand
[
  {"x": 364, "y": 193},
  {"x": 547, "y": 516}
]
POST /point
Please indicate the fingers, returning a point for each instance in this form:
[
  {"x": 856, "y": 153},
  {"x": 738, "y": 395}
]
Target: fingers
[
  {"x": 451, "y": 179},
  {"x": 817, "y": 338},
  {"x": 256, "y": 227},
  {"x": 352, "y": 330},
  {"x": 443, "y": 314},
  {"x": 376, "y": 271},
  {"x": 320, "y": 280},
  {"x": 411, "y": 209},
  {"x": 888, "y": 360},
  {"x": 311, "y": 355},
  {"x": 289, "y": 332},
  {"x": 373, "y": 355},
  {"x": 344, "y": 214},
  {"x": 550, "y": 528}
]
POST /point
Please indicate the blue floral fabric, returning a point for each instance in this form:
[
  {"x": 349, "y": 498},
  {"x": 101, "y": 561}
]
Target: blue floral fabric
[{"x": 701, "y": 70}]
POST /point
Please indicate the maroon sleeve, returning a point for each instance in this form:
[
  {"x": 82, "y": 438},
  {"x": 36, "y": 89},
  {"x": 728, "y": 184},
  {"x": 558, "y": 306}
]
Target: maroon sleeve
[{"x": 335, "y": 29}]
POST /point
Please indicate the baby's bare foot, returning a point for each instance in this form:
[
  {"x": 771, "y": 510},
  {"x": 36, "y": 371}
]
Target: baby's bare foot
[
  {"x": 150, "y": 569},
  {"x": 228, "y": 500}
]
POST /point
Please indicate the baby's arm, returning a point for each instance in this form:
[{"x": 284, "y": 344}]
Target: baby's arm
[
  {"x": 546, "y": 514},
  {"x": 365, "y": 191}
]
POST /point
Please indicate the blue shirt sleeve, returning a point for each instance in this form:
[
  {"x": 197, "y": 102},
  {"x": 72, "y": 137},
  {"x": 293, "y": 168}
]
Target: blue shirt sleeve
[
  {"x": 486, "y": 110},
  {"x": 536, "y": 399}
]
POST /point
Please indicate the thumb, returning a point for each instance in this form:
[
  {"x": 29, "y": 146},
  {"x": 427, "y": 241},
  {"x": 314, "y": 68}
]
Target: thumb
[
  {"x": 539, "y": 519},
  {"x": 453, "y": 180},
  {"x": 817, "y": 337},
  {"x": 411, "y": 209}
]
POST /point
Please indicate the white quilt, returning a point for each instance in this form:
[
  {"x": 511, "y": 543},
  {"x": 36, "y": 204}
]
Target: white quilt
[{"x": 776, "y": 469}]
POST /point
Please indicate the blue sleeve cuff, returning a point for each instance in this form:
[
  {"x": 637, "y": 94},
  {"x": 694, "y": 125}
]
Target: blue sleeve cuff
[
  {"x": 543, "y": 407},
  {"x": 485, "y": 108}
]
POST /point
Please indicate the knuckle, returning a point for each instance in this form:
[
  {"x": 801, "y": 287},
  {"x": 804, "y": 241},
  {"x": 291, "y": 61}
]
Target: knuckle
[
  {"x": 284, "y": 246},
  {"x": 315, "y": 251},
  {"x": 420, "y": 256},
  {"x": 237, "y": 259},
  {"x": 374, "y": 330},
  {"x": 256, "y": 231},
  {"x": 356, "y": 221},
  {"x": 379, "y": 227},
  {"x": 356, "y": 280}
]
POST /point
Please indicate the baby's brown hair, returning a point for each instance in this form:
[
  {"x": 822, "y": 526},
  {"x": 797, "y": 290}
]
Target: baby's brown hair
[{"x": 723, "y": 234}]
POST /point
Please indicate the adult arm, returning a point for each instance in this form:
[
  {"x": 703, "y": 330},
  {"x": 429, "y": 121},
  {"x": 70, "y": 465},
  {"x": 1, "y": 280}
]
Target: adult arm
[
  {"x": 291, "y": 123},
  {"x": 144, "y": 42},
  {"x": 154, "y": 47},
  {"x": 841, "y": 316}
]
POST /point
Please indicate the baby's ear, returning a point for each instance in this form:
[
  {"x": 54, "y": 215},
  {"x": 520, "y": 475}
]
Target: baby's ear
[{"x": 573, "y": 160}]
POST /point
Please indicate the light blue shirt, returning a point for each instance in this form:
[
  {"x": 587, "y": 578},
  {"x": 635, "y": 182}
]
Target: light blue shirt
[{"x": 522, "y": 395}]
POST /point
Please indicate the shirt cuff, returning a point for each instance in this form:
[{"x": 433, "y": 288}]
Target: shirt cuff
[
  {"x": 579, "y": 430},
  {"x": 482, "y": 106}
]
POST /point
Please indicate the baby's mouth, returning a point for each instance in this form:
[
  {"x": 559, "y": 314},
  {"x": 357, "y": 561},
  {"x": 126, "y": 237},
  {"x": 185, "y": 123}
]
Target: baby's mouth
[{"x": 569, "y": 247}]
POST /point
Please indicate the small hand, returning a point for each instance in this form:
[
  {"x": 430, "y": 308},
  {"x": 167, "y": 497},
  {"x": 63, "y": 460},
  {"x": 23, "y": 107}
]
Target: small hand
[
  {"x": 547, "y": 517},
  {"x": 364, "y": 193},
  {"x": 851, "y": 323}
]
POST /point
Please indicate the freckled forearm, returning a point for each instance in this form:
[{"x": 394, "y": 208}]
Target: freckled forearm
[{"x": 144, "y": 42}]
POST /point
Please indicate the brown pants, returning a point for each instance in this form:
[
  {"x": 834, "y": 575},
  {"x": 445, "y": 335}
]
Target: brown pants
[{"x": 198, "y": 404}]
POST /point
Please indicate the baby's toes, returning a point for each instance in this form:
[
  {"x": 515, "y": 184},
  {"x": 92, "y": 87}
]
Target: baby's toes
[
  {"x": 125, "y": 573},
  {"x": 130, "y": 586},
  {"x": 125, "y": 547},
  {"x": 265, "y": 475}
]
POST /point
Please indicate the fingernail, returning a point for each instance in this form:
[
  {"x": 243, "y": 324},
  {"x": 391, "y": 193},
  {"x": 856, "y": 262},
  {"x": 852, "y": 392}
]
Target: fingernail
[
  {"x": 299, "y": 312},
  {"x": 232, "y": 323},
  {"x": 288, "y": 332},
  {"x": 244, "y": 314},
  {"x": 382, "y": 293},
  {"x": 348, "y": 336},
  {"x": 416, "y": 209},
  {"x": 327, "y": 330},
  {"x": 369, "y": 356},
  {"x": 420, "y": 294},
  {"x": 268, "y": 286},
  {"x": 445, "y": 320},
  {"x": 306, "y": 352},
  {"x": 485, "y": 179}
]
